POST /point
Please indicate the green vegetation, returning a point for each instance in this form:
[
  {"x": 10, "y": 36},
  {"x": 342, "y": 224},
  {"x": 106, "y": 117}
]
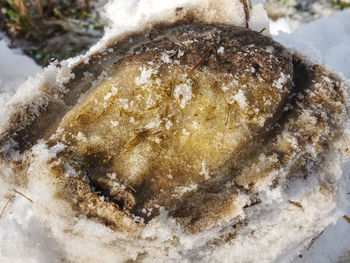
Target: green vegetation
[
  {"x": 50, "y": 29},
  {"x": 339, "y": 4}
]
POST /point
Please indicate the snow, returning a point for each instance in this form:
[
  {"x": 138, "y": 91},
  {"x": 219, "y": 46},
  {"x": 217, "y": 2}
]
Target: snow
[
  {"x": 15, "y": 68},
  {"x": 130, "y": 15},
  {"x": 258, "y": 18},
  {"x": 25, "y": 236},
  {"x": 127, "y": 16},
  {"x": 326, "y": 41},
  {"x": 279, "y": 26}
]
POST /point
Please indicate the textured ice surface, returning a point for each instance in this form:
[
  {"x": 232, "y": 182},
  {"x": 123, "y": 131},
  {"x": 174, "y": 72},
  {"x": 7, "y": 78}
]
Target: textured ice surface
[{"x": 265, "y": 214}]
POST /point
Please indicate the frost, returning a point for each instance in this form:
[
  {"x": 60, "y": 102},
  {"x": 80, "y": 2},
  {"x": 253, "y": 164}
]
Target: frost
[
  {"x": 81, "y": 137},
  {"x": 153, "y": 124},
  {"x": 184, "y": 189},
  {"x": 224, "y": 88},
  {"x": 168, "y": 124},
  {"x": 59, "y": 147},
  {"x": 221, "y": 50},
  {"x": 70, "y": 171},
  {"x": 180, "y": 54},
  {"x": 112, "y": 176},
  {"x": 150, "y": 102},
  {"x": 195, "y": 125},
  {"x": 270, "y": 49},
  {"x": 165, "y": 58},
  {"x": 112, "y": 93},
  {"x": 183, "y": 93},
  {"x": 14, "y": 70},
  {"x": 103, "y": 76},
  {"x": 114, "y": 123},
  {"x": 145, "y": 76},
  {"x": 240, "y": 99},
  {"x": 279, "y": 83},
  {"x": 124, "y": 103},
  {"x": 205, "y": 170},
  {"x": 184, "y": 132}
]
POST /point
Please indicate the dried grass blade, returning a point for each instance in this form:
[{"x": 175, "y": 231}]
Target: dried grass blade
[
  {"x": 201, "y": 61},
  {"x": 346, "y": 218},
  {"x": 246, "y": 11},
  {"x": 314, "y": 239},
  {"x": 7, "y": 203},
  {"x": 38, "y": 6},
  {"x": 30, "y": 200}
]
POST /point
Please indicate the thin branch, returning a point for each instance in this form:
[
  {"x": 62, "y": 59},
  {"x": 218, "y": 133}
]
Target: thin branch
[
  {"x": 295, "y": 203},
  {"x": 201, "y": 61},
  {"x": 7, "y": 203},
  {"x": 30, "y": 200},
  {"x": 314, "y": 239},
  {"x": 250, "y": 4},
  {"x": 346, "y": 218},
  {"x": 262, "y": 30},
  {"x": 246, "y": 11},
  {"x": 132, "y": 188}
]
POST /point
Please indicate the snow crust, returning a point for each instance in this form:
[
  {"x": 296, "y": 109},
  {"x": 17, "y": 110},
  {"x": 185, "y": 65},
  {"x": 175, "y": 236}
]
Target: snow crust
[{"x": 137, "y": 15}]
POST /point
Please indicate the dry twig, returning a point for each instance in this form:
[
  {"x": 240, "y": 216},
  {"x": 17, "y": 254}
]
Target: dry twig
[
  {"x": 132, "y": 188},
  {"x": 11, "y": 199},
  {"x": 346, "y": 218},
  {"x": 201, "y": 61},
  {"x": 314, "y": 239},
  {"x": 250, "y": 4},
  {"x": 7, "y": 203},
  {"x": 262, "y": 30},
  {"x": 246, "y": 11},
  {"x": 30, "y": 200},
  {"x": 295, "y": 203}
]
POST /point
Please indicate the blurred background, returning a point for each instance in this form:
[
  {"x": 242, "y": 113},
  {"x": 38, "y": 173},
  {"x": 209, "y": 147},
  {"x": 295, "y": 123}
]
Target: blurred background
[{"x": 51, "y": 29}]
